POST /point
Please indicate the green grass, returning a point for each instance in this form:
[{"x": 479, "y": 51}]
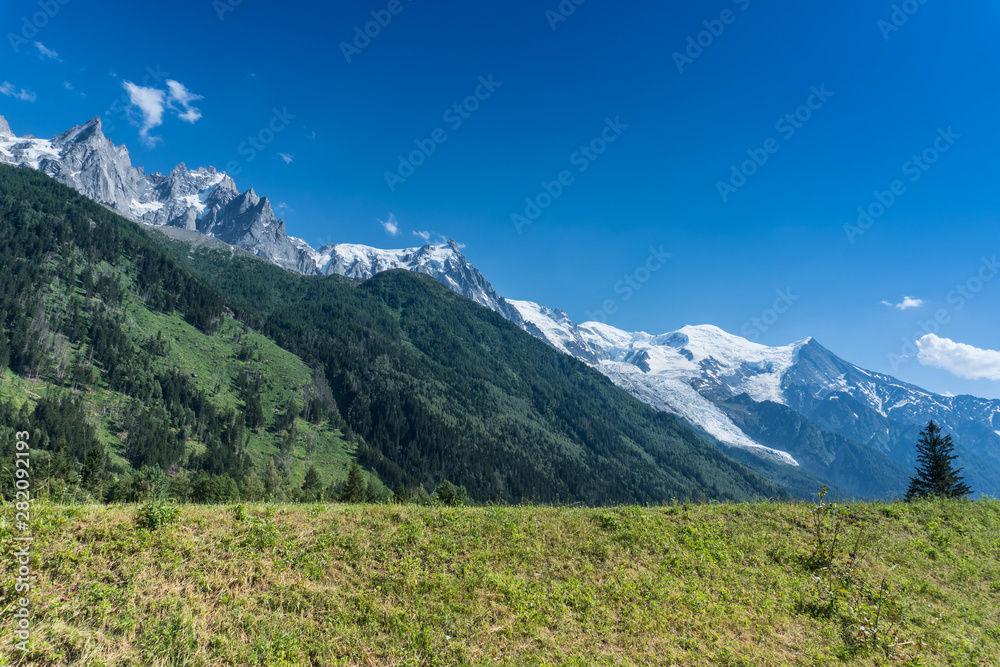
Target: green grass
[{"x": 720, "y": 584}]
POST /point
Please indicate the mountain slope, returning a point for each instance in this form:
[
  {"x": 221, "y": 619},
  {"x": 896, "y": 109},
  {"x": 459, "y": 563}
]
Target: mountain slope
[
  {"x": 658, "y": 370},
  {"x": 431, "y": 386},
  {"x": 690, "y": 372},
  {"x": 128, "y": 366},
  {"x": 208, "y": 201},
  {"x": 861, "y": 471},
  {"x": 438, "y": 386},
  {"x": 755, "y": 397}
]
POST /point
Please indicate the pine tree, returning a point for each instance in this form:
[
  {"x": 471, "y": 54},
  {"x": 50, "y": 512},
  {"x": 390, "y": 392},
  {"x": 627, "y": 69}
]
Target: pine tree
[
  {"x": 92, "y": 473},
  {"x": 356, "y": 490},
  {"x": 935, "y": 474},
  {"x": 400, "y": 496},
  {"x": 251, "y": 488},
  {"x": 274, "y": 480},
  {"x": 312, "y": 486},
  {"x": 449, "y": 494}
]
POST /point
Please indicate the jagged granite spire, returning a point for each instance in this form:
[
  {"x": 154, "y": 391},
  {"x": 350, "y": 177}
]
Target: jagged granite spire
[{"x": 202, "y": 199}]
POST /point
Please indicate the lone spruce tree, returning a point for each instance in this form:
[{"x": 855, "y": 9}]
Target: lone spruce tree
[
  {"x": 312, "y": 486},
  {"x": 935, "y": 474},
  {"x": 356, "y": 490}
]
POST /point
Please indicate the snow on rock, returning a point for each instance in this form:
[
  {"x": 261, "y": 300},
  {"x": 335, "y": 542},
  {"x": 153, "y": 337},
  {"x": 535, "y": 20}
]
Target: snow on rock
[
  {"x": 682, "y": 371},
  {"x": 662, "y": 370}
]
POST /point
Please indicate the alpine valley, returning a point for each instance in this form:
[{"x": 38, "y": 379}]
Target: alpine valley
[{"x": 419, "y": 374}]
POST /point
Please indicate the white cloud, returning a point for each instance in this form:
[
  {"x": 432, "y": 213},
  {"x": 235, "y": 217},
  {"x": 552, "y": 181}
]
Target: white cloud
[
  {"x": 907, "y": 303},
  {"x": 391, "y": 226},
  {"x": 282, "y": 206},
  {"x": 184, "y": 97},
  {"x": 67, "y": 85},
  {"x": 150, "y": 102},
  {"x": 45, "y": 52},
  {"x": 426, "y": 236},
  {"x": 8, "y": 89},
  {"x": 959, "y": 359},
  {"x": 286, "y": 157},
  {"x": 154, "y": 102}
]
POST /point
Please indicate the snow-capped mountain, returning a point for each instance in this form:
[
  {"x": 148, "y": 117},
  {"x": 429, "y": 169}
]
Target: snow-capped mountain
[
  {"x": 208, "y": 201},
  {"x": 445, "y": 263},
  {"x": 663, "y": 371},
  {"x": 720, "y": 383},
  {"x": 201, "y": 199},
  {"x": 696, "y": 371}
]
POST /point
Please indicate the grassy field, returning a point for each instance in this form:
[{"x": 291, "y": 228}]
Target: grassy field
[{"x": 752, "y": 584}]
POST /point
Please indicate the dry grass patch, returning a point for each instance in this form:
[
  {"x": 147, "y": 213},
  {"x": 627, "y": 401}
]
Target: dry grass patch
[{"x": 406, "y": 585}]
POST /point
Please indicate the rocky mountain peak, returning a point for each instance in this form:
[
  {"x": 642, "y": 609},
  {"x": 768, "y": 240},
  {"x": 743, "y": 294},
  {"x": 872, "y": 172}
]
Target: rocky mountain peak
[{"x": 90, "y": 133}]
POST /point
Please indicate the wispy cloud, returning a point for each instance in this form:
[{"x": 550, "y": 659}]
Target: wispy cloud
[
  {"x": 67, "y": 85},
  {"x": 180, "y": 95},
  {"x": 286, "y": 157},
  {"x": 426, "y": 236},
  {"x": 391, "y": 226},
  {"x": 45, "y": 52},
  {"x": 907, "y": 303},
  {"x": 8, "y": 89},
  {"x": 959, "y": 359},
  {"x": 150, "y": 102}
]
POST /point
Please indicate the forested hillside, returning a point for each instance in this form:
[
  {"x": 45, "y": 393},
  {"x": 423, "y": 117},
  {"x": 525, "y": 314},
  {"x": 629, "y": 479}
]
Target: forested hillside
[
  {"x": 139, "y": 366},
  {"x": 130, "y": 375},
  {"x": 441, "y": 388}
]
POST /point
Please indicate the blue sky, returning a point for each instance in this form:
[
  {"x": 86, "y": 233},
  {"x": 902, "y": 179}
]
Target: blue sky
[{"x": 645, "y": 140}]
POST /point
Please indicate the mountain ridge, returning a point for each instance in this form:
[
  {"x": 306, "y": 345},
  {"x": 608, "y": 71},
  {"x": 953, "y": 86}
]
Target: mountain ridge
[
  {"x": 690, "y": 372},
  {"x": 208, "y": 201}
]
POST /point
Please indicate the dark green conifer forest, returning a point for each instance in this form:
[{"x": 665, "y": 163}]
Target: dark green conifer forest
[{"x": 416, "y": 384}]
